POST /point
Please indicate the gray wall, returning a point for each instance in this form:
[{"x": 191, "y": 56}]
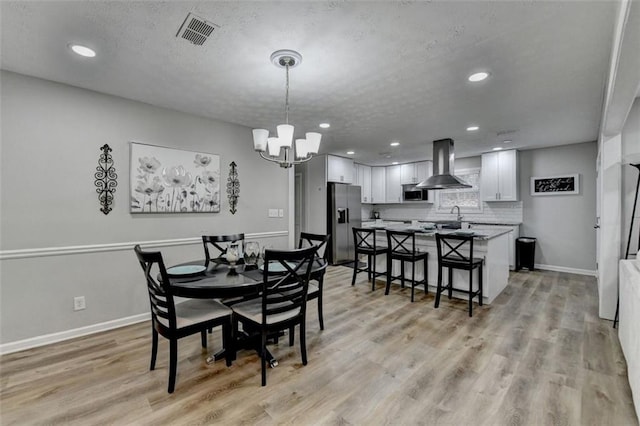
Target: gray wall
[
  {"x": 630, "y": 153},
  {"x": 51, "y": 135},
  {"x": 562, "y": 224},
  {"x": 314, "y": 178},
  {"x": 468, "y": 163}
]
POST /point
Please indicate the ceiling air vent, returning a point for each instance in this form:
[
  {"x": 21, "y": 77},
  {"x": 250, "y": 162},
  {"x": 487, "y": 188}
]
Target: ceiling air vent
[{"x": 195, "y": 29}]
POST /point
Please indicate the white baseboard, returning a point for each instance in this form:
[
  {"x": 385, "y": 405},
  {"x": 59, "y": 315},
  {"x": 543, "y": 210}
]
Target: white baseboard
[
  {"x": 47, "y": 339},
  {"x": 565, "y": 269}
]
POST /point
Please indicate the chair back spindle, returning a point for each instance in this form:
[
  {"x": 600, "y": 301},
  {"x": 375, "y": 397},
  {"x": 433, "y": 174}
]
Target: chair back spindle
[
  {"x": 220, "y": 243},
  {"x": 160, "y": 296},
  {"x": 287, "y": 295}
]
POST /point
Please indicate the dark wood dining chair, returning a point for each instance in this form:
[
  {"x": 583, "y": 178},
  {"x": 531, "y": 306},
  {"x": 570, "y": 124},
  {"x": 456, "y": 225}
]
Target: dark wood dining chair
[
  {"x": 321, "y": 242},
  {"x": 402, "y": 247},
  {"x": 218, "y": 245},
  {"x": 184, "y": 319},
  {"x": 283, "y": 301},
  {"x": 452, "y": 251}
]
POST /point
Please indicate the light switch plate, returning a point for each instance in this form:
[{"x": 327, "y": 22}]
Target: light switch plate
[
  {"x": 280, "y": 212},
  {"x": 273, "y": 212}
]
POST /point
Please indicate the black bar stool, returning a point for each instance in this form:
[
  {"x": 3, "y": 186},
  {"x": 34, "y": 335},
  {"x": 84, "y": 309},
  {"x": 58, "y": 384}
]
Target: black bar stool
[
  {"x": 450, "y": 256},
  {"x": 364, "y": 240},
  {"x": 402, "y": 247}
]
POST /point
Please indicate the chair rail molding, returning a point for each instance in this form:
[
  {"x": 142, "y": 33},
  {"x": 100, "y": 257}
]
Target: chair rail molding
[{"x": 97, "y": 248}]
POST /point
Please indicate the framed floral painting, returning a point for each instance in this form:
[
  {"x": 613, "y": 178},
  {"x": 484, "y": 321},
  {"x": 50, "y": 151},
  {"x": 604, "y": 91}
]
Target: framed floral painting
[{"x": 168, "y": 180}]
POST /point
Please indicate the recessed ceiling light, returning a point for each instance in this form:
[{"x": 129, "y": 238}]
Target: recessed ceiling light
[
  {"x": 472, "y": 128},
  {"x": 394, "y": 143},
  {"x": 394, "y": 163},
  {"x": 497, "y": 148},
  {"x": 479, "y": 76},
  {"x": 350, "y": 152},
  {"x": 82, "y": 50},
  {"x": 507, "y": 141},
  {"x": 325, "y": 125}
]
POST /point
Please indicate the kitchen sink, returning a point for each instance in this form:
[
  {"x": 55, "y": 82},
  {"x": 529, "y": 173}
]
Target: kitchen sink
[{"x": 448, "y": 224}]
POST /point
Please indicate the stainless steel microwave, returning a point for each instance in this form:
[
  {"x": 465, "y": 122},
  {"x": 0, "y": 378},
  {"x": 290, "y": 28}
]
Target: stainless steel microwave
[{"x": 411, "y": 193}]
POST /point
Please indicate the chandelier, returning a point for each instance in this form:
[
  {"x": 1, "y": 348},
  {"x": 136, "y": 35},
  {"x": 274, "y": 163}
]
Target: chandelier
[{"x": 280, "y": 148}]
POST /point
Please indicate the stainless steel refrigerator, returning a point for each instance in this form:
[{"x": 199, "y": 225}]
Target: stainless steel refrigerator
[{"x": 344, "y": 213}]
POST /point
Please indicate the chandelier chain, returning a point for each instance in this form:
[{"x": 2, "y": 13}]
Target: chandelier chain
[{"x": 286, "y": 100}]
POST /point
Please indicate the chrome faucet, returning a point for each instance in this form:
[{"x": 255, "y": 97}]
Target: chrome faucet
[{"x": 459, "y": 218}]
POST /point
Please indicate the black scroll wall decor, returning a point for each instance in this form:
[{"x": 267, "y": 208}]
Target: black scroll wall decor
[
  {"x": 105, "y": 179},
  {"x": 233, "y": 187}
]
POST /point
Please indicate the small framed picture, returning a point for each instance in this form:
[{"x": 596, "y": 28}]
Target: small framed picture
[{"x": 568, "y": 184}]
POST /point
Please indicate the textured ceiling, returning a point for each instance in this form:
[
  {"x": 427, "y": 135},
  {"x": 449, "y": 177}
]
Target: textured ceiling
[{"x": 377, "y": 71}]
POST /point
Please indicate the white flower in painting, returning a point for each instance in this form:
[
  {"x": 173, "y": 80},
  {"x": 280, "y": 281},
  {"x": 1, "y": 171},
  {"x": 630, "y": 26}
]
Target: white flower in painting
[
  {"x": 210, "y": 201},
  {"x": 202, "y": 160},
  {"x": 176, "y": 177},
  {"x": 148, "y": 188},
  {"x": 209, "y": 178},
  {"x": 148, "y": 165}
]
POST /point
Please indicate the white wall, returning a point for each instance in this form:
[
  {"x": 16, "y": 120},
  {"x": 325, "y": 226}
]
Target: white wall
[
  {"x": 630, "y": 153},
  {"x": 51, "y": 135},
  {"x": 562, "y": 224}
]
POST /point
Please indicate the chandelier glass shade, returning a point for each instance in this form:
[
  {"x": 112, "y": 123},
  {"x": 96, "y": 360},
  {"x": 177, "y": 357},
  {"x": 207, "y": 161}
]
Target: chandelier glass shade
[{"x": 281, "y": 149}]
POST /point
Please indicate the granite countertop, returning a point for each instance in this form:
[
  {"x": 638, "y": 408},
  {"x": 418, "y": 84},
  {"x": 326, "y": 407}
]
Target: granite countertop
[
  {"x": 471, "y": 221},
  {"x": 494, "y": 222},
  {"x": 485, "y": 234}
]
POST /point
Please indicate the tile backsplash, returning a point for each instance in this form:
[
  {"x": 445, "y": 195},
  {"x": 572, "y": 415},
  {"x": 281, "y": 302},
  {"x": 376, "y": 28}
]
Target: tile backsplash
[{"x": 499, "y": 211}]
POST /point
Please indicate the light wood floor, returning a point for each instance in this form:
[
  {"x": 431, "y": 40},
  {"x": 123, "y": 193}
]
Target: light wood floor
[{"x": 539, "y": 355}]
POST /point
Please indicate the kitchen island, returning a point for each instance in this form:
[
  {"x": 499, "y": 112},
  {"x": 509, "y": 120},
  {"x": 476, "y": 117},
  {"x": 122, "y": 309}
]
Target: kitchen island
[{"x": 492, "y": 245}]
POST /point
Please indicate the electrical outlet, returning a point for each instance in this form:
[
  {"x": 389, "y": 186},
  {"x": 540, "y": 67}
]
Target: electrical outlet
[
  {"x": 79, "y": 303},
  {"x": 273, "y": 213}
]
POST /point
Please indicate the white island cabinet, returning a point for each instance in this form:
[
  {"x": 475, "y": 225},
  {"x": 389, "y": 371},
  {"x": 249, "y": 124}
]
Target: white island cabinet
[
  {"x": 513, "y": 234},
  {"x": 492, "y": 245}
]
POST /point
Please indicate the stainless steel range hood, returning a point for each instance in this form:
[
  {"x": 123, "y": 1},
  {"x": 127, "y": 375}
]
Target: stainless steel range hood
[{"x": 443, "y": 158}]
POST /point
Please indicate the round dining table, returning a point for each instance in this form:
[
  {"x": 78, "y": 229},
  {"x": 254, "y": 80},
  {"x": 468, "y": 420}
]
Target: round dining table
[{"x": 219, "y": 281}]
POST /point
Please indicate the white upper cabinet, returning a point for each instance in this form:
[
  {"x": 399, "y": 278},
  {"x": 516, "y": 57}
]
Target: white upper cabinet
[
  {"x": 339, "y": 169},
  {"x": 362, "y": 177},
  {"x": 394, "y": 187},
  {"x": 408, "y": 173},
  {"x": 499, "y": 176},
  {"x": 424, "y": 170},
  {"x": 378, "y": 185},
  {"x": 414, "y": 173}
]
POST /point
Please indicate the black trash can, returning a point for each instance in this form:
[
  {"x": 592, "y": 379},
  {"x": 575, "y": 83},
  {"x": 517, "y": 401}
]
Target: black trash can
[{"x": 525, "y": 253}]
